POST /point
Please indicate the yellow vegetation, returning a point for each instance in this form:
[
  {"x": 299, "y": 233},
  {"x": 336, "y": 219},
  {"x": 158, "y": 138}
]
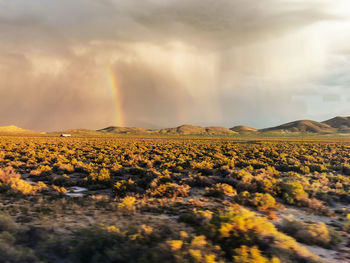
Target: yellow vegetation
[
  {"x": 128, "y": 204},
  {"x": 60, "y": 190},
  {"x": 251, "y": 255},
  {"x": 13, "y": 180},
  {"x": 175, "y": 245}
]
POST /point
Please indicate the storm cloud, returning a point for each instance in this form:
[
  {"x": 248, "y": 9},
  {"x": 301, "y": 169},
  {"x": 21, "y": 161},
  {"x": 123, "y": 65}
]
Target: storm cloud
[{"x": 204, "y": 62}]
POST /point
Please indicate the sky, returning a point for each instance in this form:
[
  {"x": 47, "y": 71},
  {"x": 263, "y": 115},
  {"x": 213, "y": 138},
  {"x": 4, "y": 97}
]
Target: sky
[{"x": 161, "y": 63}]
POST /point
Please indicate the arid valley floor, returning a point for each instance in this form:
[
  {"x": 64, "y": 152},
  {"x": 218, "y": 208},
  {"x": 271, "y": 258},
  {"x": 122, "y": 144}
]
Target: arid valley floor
[{"x": 174, "y": 199}]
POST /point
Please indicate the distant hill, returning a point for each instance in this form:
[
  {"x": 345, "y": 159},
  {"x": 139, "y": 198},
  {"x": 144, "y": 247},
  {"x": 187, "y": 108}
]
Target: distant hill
[
  {"x": 340, "y": 123},
  {"x": 243, "y": 129},
  {"x": 302, "y": 126},
  {"x": 181, "y": 130},
  {"x": 213, "y": 130},
  {"x": 13, "y": 129},
  {"x": 79, "y": 131},
  {"x": 123, "y": 130},
  {"x": 196, "y": 130},
  {"x": 334, "y": 125}
]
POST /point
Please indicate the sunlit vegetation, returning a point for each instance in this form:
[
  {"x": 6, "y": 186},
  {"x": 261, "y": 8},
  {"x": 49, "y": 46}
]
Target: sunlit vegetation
[
  {"x": 11, "y": 180},
  {"x": 128, "y": 204},
  {"x": 220, "y": 190},
  {"x": 239, "y": 227},
  {"x": 246, "y": 254},
  {"x": 311, "y": 233},
  {"x": 170, "y": 199}
]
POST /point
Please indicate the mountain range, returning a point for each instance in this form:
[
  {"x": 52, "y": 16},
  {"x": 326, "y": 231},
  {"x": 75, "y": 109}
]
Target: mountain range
[{"x": 334, "y": 125}]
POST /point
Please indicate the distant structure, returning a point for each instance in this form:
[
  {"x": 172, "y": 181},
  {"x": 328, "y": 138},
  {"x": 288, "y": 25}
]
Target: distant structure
[{"x": 65, "y": 135}]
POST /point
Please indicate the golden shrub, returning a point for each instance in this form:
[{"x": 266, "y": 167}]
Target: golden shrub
[
  {"x": 127, "y": 205},
  {"x": 13, "y": 180}
]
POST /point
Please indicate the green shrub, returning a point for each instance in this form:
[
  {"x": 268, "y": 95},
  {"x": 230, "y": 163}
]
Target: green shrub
[
  {"x": 10, "y": 251},
  {"x": 263, "y": 201},
  {"x": 310, "y": 233},
  {"x": 239, "y": 227},
  {"x": 292, "y": 192},
  {"x": 7, "y": 224},
  {"x": 94, "y": 245},
  {"x": 346, "y": 224}
]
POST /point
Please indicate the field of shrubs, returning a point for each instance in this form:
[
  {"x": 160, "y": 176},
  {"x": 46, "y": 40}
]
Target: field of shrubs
[{"x": 180, "y": 199}]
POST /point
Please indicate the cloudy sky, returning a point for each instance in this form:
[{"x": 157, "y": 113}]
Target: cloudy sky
[{"x": 207, "y": 62}]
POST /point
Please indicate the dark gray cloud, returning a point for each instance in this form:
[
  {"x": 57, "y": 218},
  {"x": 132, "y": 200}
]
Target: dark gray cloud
[
  {"x": 224, "y": 23},
  {"x": 204, "y": 23}
]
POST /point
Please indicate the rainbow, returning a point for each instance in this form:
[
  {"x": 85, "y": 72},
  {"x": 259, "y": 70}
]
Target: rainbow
[{"x": 113, "y": 82}]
